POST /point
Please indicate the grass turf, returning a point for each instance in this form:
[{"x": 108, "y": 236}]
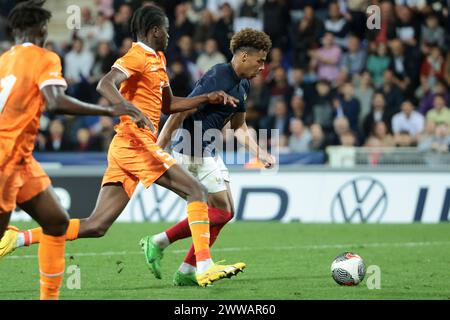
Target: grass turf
[{"x": 284, "y": 261}]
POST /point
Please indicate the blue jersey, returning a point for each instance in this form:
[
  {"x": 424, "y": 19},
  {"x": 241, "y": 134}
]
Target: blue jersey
[{"x": 211, "y": 118}]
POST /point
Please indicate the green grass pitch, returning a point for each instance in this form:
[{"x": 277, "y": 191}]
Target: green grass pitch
[{"x": 284, "y": 261}]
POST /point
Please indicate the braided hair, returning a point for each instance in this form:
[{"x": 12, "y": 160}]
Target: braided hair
[
  {"x": 146, "y": 18},
  {"x": 28, "y": 14}
]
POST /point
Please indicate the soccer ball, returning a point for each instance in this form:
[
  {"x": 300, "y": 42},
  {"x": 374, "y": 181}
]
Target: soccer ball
[{"x": 348, "y": 269}]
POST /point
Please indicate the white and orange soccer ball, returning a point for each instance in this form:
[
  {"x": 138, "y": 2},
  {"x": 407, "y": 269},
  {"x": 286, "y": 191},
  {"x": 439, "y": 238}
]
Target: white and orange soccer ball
[{"x": 348, "y": 269}]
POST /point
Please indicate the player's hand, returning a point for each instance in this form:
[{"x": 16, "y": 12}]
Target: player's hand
[
  {"x": 127, "y": 108},
  {"x": 220, "y": 97},
  {"x": 268, "y": 160}
]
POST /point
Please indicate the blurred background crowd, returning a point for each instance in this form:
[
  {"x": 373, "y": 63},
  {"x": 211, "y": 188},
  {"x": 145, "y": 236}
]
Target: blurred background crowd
[{"x": 329, "y": 80}]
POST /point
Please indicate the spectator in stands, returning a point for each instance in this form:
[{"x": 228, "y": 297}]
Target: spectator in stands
[
  {"x": 103, "y": 61},
  {"x": 304, "y": 36},
  {"x": 276, "y": 21},
  {"x": 77, "y": 63},
  {"x": 387, "y": 26},
  {"x": 348, "y": 139},
  {"x": 224, "y": 29},
  {"x": 322, "y": 109},
  {"x": 77, "y": 70},
  {"x": 56, "y": 140},
  {"x": 337, "y": 24},
  {"x": 377, "y": 63},
  {"x": 432, "y": 33},
  {"x": 259, "y": 94},
  {"x": 105, "y": 7},
  {"x": 433, "y": 66},
  {"x": 354, "y": 60},
  {"x": 439, "y": 142},
  {"x": 180, "y": 80},
  {"x": 87, "y": 30},
  {"x": 204, "y": 29},
  {"x": 299, "y": 110},
  {"x": 407, "y": 122},
  {"x": 341, "y": 125},
  {"x": 327, "y": 59},
  {"x": 405, "y": 66},
  {"x": 426, "y": 101},
  {"x": 276, "y": 60},
  {"x": 210, "y": 57},
  {"x": 279, "y": 86},
  {"x": 377, "y": 114},
  {"x": 104, "y": 28},
  {"x": 125, "y": 46},
  {"x": 279, "y": 120},
  {"x": 440, "y": 112},
  {"x": 300, "y": 138},
  {"x": 121, "y": 24},
  {"x": 407, "y": 27},
  {"x": 181, "y": 26},
  {"x": 348, "y": 106},
  {"x": 392, "y": 93},
  {"x": 318, "y": 141},
  {"x": 299, "y": 86},
  {"x": 380, "y": 133},
  {"x": 364, "y": 93},
  {"x": 85, "y": 142}
]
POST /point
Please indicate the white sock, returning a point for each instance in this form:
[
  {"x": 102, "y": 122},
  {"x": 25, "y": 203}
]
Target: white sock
[
  {"x": 187, "y": 268},
  {"x": 202, "y": 266},
  {"x": 20, "y": 240},
  {"x": 161, "y": 240}
]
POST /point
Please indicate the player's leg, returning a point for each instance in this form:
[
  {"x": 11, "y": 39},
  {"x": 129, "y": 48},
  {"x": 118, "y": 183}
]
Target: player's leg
[
  {"x": 46, "y": 210},
  {"x": 221, "y": 210},
  {"x": 111, "y": 201}
]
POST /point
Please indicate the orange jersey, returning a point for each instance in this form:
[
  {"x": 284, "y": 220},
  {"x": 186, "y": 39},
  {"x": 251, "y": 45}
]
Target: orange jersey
[
  {"x": 147, "y": 76},
  {"x": 24, "y": 70}
]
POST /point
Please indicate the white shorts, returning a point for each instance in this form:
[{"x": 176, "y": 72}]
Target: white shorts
[{"x": 210, "y": 171}]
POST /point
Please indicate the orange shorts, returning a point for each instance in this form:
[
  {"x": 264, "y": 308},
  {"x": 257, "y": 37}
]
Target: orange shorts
[
  {"x": 21, "y": 182},
  {"x": 133, "y": 158}
]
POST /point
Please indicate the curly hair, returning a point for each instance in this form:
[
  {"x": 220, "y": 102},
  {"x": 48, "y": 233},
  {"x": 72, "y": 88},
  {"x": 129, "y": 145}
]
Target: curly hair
[
  {"x": 250, "y": 39},
  {"x": 28, "y": 14}
]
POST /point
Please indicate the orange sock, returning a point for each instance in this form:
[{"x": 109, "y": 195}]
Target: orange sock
[
  {"x": 51, "y": 265},
  {"x": 199, "y": 225},
  {"x": 33, "y": 236}
]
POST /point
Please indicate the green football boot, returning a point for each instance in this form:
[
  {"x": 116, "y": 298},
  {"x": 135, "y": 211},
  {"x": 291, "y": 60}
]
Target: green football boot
[
  {"x": 153, "y": 255},
  {"x": 184, "y": 279}
]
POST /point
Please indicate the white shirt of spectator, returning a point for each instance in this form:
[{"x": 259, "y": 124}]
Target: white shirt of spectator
[
  {"x": 414, "y": 124},
  {"x": 78, "y": 64}
]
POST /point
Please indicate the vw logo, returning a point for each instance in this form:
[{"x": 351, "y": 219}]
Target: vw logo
[{"x": 363, "y": 199}]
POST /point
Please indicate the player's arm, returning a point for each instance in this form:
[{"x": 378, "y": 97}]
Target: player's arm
[
  {"x": 243, "y": 136},
  {"x": 173, "y": 123},
  {"x": 172, "y": 104},
  {"x": 108, "y": 87}
]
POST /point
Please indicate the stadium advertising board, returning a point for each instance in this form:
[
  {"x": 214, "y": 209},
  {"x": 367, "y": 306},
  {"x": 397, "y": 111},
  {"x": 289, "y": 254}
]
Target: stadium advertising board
[{"x": 310, "y": 197}]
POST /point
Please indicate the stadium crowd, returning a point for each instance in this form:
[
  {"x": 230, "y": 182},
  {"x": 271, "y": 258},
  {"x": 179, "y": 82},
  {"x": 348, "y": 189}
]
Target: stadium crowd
[{"x": 329, "y": 80}]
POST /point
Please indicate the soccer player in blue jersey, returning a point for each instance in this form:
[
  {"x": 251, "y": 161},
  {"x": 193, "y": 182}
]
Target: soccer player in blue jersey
[{"x": 250, "y": 48}]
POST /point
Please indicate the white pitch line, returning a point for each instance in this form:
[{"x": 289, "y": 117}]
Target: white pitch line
[{"x": 303, "y": 247}]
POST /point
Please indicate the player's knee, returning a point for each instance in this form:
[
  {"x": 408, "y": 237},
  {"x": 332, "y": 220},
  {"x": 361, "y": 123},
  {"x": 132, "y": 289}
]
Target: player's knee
[
  {"x": 199, "y": 192},
  {"x": 57, "y": 226}
]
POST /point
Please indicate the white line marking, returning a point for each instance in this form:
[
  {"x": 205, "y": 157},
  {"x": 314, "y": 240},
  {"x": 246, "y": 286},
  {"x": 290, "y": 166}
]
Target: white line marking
[{"x": 303, "y": 247}]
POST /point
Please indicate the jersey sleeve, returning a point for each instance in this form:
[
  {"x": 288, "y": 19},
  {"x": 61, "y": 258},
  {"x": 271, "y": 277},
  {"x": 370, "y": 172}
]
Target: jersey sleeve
[
  {"x": 131, "y": 63},
  {"x": 51, "y": 71},
  {"x": 166, "y": 77}
]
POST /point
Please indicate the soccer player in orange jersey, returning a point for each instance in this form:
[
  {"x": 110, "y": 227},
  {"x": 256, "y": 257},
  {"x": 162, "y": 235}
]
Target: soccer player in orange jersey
[
  {"x": 134, "y": 155},
  {"x": 30, "y": 77}
]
